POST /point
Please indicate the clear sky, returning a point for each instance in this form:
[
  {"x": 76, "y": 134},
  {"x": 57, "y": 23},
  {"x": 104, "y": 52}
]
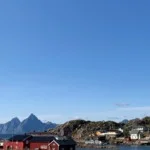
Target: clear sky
[{"x": 65, "y": 60}]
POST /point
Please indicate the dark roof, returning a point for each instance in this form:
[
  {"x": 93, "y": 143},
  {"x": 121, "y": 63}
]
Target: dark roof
[
  {"x": 42, "y": 139},
  {"x": 19, "y": 138},
  {"x": 66, "y": 142},
  {"x": 40, "y": 134},
  {"x": 134, "y": 131}
]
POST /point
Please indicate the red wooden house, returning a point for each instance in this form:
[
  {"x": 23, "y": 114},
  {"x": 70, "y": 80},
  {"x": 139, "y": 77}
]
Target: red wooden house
[
  {"x": 40, "y": 142},
  {"x": 17, "y": 142},
  {"x": 62, "y": 144},
  {"x": 30, "y": 142},
  {"x": 51, "y": 143}
]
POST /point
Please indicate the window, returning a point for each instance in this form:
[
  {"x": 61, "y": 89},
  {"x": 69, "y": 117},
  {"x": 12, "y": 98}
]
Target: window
[
  {"x": 27, "y": 142},
  {"x": 43, "y": 147}
]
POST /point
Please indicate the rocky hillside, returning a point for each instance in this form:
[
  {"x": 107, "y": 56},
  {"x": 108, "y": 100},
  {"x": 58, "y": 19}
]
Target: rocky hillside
[
  {"x": 145, "y": 122},
  {"x": 81, "y": 129}
]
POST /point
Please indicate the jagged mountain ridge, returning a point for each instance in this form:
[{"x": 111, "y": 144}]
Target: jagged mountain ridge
[{"x": 30, "y": 124}]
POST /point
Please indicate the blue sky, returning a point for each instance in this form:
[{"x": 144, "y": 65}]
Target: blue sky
[{"x": 64, "y": 60}]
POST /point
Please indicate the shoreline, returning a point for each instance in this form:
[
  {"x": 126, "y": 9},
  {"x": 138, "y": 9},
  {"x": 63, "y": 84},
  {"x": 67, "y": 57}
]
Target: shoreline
[
  {"x": 115, "y": 146},
  {"x": 79, "y": 145}
]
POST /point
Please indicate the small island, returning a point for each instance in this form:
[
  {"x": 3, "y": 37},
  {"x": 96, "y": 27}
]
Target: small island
[{"x": 102, "y": 133}]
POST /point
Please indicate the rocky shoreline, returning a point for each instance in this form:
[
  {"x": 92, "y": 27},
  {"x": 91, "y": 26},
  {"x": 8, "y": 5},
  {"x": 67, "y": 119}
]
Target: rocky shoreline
[
  {"x": 115, "y": 147},
  {"x": 82, "y": 145}
]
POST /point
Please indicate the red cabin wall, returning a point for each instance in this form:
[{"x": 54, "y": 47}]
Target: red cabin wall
[
  {"x": 14, "y": 145},
  {"x": 41, "y": 146}
]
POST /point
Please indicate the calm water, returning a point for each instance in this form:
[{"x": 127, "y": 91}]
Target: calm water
[
  {"x": 135, "y": 148},
  {"x": 123, "y": 148}
]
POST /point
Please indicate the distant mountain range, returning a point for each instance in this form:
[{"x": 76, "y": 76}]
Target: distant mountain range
[
  {"x": 30, "y": 124},
  {"x": 125, "y": 121}
]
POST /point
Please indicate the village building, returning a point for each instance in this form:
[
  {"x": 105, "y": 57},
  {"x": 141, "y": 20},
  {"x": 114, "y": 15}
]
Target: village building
[
  {"x": 97, "y": 142},
  {"x": 39, "y": 142},
  {"x": 135, "y": 135},
  {"x": 17, "y": 142},
  {"x": 120, "y": 130},
  {"x": 62, "y": 144},
  {"x": 1, "y": 144}
]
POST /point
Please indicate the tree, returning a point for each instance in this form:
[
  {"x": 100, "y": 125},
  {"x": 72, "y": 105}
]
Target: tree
[{"x": 126, "y": 132}]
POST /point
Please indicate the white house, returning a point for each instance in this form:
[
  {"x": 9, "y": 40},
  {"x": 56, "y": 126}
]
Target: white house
[
  {"x": 93, "y": 142},
  {"x": 135, "y": 135},
  {"x": 120, "y": 130},
  {"x": 89, "y": 142}
]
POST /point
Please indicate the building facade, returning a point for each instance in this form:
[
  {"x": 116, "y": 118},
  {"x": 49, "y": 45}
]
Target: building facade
[
  {"x": 17, "y": 142},
  {"x": 28, "y": 142},
  {"x": 135, "y": 135}
]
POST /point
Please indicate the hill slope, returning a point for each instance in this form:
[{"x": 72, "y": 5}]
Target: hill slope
[{"x": 81, "y": 129}]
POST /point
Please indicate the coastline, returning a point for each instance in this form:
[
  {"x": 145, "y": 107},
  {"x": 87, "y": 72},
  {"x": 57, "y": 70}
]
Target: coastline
[
  {"x": 94, "y": 146},
  {"x": 115, "y": 146}
]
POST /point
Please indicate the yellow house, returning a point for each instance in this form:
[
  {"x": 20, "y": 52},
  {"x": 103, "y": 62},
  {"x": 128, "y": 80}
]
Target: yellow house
[{"x": 98, "y": 133}]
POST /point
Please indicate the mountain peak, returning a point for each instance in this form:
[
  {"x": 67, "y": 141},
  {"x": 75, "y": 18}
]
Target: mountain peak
[
  {"x": 30, "y": 124},
  {"x": 32, "y": 116},
  {"x": 125, "y": 121},
  {"x": 16, "y": 119}
]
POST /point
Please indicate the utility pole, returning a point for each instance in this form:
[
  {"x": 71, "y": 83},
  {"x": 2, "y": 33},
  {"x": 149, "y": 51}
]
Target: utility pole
[{"x": 12, "y": 139}]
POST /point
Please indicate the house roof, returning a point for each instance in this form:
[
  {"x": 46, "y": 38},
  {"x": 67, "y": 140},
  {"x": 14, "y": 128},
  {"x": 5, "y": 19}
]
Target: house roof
[
  {"x": 42, "y": 139},
  {"x": 40, "y": 133},
  {"x": 139, "y": 126},
  {"x": 19, "y": 138},
  {"x": 66, "y": 142},
  {"x": 134, "y": 131}
]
